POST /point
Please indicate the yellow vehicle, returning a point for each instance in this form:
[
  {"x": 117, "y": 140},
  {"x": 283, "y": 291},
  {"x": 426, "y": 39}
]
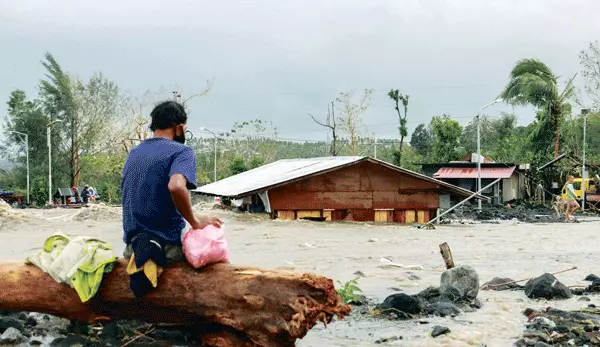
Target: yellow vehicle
[{"x": 591, "y": 189}]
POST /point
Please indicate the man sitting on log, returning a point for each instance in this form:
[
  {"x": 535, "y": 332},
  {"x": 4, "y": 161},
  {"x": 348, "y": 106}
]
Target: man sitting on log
[{"x": 157, "y": 208}]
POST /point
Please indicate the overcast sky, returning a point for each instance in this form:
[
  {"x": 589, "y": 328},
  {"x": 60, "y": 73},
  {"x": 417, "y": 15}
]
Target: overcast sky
[{"x": 279, "y": 60}]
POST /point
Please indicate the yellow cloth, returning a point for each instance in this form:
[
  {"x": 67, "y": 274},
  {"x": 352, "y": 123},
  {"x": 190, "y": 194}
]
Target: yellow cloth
[
  {"x": 80, "y": 262},
  {"x": 151, "y": 270}
]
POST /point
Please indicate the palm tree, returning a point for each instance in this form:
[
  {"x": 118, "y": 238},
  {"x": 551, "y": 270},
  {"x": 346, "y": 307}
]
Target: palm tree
[{"x": 533, "y": 83}]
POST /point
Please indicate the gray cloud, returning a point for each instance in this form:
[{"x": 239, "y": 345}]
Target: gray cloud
[{"x": 279, "y": 60}]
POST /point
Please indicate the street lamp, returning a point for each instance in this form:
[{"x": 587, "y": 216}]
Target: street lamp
[
  {"x": 584, "y": 112},
  {"x": 48, "y": 127},
  {"x": 26, "y": 155},
  {"x": 215, "y": 136},
  {"x": 479, "y": 148}
]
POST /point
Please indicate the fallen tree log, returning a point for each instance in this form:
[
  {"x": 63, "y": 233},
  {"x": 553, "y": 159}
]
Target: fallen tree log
[{"x": 229, "y": 305}]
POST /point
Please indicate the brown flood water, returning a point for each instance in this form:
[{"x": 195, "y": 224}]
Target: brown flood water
[{"x": 510, "y": 249}]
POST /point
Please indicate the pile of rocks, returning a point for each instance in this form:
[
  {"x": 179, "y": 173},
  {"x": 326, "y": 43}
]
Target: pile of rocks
[
  {"x": 35, "y": 329},
  {"x": 522, "y": 212},
  {"x": 457, "y": 293},
  {"x": 554, "y": 327}
]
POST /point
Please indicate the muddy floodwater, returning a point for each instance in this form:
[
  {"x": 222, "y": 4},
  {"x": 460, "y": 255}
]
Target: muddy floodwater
[{"x": 510, "y": 249}]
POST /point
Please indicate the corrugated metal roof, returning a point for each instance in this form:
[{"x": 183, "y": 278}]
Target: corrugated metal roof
[
  {"x": 273, "y": 174},
  {"x": 471, "y": 172},
  {"x": 287, "y": 170}
]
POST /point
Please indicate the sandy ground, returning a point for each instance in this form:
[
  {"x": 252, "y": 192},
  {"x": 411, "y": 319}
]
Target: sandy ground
[{"x": 510, "y": 249}]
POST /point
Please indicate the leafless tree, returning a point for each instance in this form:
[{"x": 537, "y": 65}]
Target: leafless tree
[
  {"x": 330, "y": 123},
  {"x": 350, "y": 115}
]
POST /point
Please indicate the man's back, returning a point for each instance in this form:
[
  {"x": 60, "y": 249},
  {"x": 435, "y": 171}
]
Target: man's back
[{"x": 147, "y": 203}]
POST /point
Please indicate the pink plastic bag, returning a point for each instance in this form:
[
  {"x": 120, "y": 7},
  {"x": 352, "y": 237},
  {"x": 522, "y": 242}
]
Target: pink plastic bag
[{"x": 205, "y": 246}]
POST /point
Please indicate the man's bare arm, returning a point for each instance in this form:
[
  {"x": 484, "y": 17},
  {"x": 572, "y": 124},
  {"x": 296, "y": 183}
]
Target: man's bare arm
[{"x": 183, "y": 203}]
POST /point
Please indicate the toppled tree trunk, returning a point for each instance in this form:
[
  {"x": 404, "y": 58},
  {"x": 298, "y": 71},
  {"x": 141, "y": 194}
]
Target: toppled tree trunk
[{"x": 232, "y": 306}]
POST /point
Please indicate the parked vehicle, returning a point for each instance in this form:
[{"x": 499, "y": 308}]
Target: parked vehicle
[{"x": 592, "y": 195}]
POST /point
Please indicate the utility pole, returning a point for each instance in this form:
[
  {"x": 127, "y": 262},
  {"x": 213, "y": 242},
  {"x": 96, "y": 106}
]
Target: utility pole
[
  {"x": 215, "y": 163},
  {"x": 584, "y": 175},
  {"x": 479, "y": 147},
  {"x": 478, "y": 160},
  {"x": 26, "y": 156},
  {"x": 374, "y": 146},
  {"x": 48, "y": 127}
]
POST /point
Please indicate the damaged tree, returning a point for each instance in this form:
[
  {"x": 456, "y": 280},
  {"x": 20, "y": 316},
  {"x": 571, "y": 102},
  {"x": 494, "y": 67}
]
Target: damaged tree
[
  {"x": 332, "y": 125},
  {"x": 232, "y": 306}
]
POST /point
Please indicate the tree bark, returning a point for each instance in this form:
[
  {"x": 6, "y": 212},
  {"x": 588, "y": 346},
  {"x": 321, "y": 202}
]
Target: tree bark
[
  {"x": 232, "y": 306},
  {"x": 447, "y": 255}
]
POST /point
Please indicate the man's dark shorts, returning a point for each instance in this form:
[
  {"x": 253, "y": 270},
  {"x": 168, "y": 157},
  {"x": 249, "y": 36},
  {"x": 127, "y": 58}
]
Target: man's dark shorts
[{"x": 173, "y": 253}]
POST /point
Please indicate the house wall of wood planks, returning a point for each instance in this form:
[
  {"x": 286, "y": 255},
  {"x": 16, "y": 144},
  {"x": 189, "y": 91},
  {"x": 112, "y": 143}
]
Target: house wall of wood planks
[{"x": 362, "y": 192}]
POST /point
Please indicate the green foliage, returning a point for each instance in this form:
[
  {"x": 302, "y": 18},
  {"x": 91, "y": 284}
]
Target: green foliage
[
  {"x": 349, "y": 291},
  {"x": 533, "y": 83},
  {"x": 395, "y": 95},
  {"x": 237, "y": 165},
  {"x": 422, "y": 139},
  {"x": 446, "y": 132},
  {"x": 256, "y": 162}
]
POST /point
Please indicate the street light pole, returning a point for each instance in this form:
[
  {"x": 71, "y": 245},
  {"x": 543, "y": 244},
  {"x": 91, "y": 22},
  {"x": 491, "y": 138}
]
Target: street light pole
[
  {"x": 478, "y": 160},
  {"x": 26, "y": 156},
  {"x": 584, "y": 112},
  {"x": 48, "y": 127},
  {"x": 479, "y": 148},
  {"x": 215, "y": 164}
]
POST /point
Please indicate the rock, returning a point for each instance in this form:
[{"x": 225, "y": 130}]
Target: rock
[
  {"x": 464, "y": 278},
  {"x": 451, "y": 294},
  {"x": 374, "y": 240},
  {"x": 111, "y": 331},
  {"x": 578, "y": 291},
  {"x": 70, "y": 341},
  {"x": 31, "y": 322},
  {"x": 494, "y": 284},
  {"x": 80, "y": 328},
  {"x": 444, "y": 309},
  {"x": 396, "y": 289},
  {"x": 111, "y": 343},
  {"x": 592, "y": 278},
  {"x": 359, "y": 273},
  {"x": 10, "y": 322},
  {"x": 542, "y": 323},
  {"x": 11, "y": 335},
  {"x": 584, "y": 298},
  {"x": 439, "y": 330},
  {"x": 22, "y": 316},
  {"x": 412, "y": 276},
  {"x": 402, "y": 302},
  {"x": 35, "y": 343},
  {"x": 388, "y": 339},
  {"x": 476, "y": 304},
  {"x": 430, "y": 294},
  {"x": 170, "y": 335},
  {"x": 547, "y": 287},
  {"x": 360, "y": 301},
  {"x": 541, "y": 344}
]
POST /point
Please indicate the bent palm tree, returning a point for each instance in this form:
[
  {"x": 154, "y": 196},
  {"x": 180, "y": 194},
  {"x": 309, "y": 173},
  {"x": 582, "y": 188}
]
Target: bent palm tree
[{"x": 533, "y": 83}]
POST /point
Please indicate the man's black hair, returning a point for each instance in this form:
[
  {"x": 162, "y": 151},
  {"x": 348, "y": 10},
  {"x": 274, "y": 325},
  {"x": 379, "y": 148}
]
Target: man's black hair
[{"x": 167, "y": 114}]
